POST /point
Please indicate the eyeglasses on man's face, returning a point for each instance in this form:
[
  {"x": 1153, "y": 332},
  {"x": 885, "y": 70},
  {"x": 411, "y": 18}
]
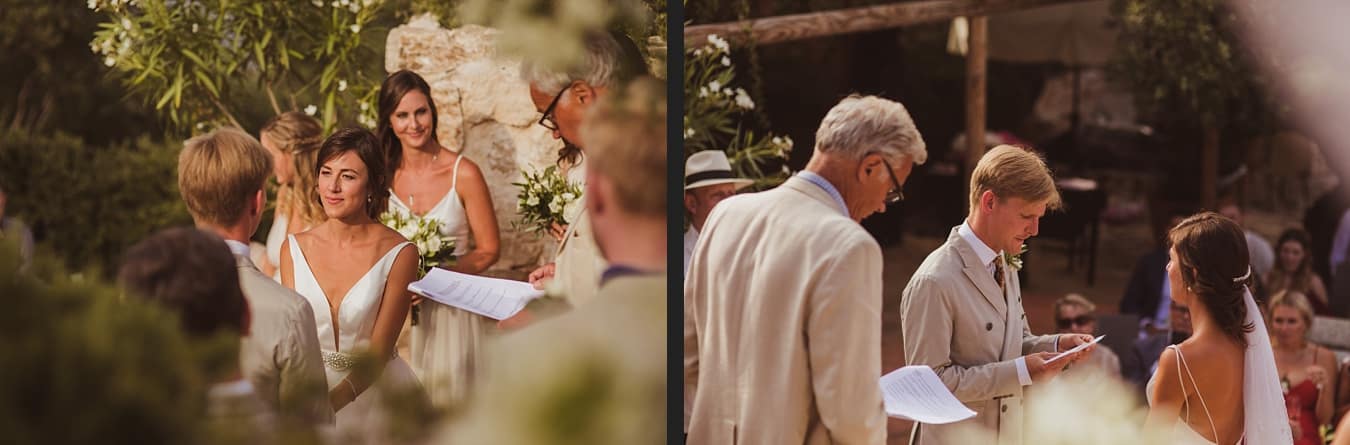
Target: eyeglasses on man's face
[
  {"x": 548, "y": 120},
  {"x": 896, "y": 194}
]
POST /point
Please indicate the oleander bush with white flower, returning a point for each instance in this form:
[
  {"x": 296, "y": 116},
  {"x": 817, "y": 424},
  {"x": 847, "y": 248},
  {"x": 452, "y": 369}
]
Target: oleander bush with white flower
[
  {"x": 718, "y": 116},
  {"x": 546, "y": 198},
  {"x": 204, "y": 63}
]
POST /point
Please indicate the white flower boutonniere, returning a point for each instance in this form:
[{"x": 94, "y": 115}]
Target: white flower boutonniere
[{"x": 1015, "y": 261}]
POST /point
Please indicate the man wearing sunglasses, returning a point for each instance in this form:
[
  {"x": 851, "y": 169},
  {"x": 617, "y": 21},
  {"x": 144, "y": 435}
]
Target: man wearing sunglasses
[
  {"x": 563, "y": 98},
  {"x": 1074, "y": 315},
  {"x": 782, "y": 335}
]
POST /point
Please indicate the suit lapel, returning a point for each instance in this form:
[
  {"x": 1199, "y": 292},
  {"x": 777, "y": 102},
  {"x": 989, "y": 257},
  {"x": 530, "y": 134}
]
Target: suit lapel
[{"x": 978, "y": 274}]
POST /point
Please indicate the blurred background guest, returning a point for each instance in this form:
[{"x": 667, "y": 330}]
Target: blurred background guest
[
  {"x": 1305, "y": 368},
  {"x": 12, "y": 228},
  {"x": 1293, "y": 271},
  {"x": 1075, "y": 314},
  {"x": 191, "y": 274},
  {"x": 708, "y": 180}
]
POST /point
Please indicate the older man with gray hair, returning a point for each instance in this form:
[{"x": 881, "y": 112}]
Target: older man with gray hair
[
  {"x": 563, "y": 97},
  {"x": 783, "y": 339}
]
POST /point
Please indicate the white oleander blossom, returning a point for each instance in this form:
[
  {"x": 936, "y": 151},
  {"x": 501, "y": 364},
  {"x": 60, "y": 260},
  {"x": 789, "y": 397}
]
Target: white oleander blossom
[
  {"x": 743, "y": 99},
  {"x": 356, "y": 28},
  {"x": 719, "y": 43},
  {"x": 688, "y": 133},
  {"x": 311, "y": 109},
  {"x": 714, "y": 85},
  {"x": 342, "y": 85}
]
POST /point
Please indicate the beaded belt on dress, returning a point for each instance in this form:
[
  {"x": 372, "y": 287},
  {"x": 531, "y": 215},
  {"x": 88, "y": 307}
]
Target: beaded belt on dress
[{"x": 339, "y": 361}]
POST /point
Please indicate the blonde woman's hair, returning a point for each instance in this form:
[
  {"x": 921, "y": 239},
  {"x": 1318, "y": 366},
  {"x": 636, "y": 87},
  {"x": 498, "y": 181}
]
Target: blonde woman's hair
[
  {"x": 625, "y": 139},
  {"x": 300, "y": 136},
  {"x": 1013, "y": 172},
  {"x": 1074, "y": 300},
  {"x": 858, "y": 125},
  {"x": 1293, "y": 299},
  {"x": 219, "y": 172}
]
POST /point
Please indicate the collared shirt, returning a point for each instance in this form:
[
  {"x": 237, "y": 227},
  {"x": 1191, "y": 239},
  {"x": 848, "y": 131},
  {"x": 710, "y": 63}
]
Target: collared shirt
[
  {"x": 823, "y": 183},
  {"x": 237, "y": 247},
  {"x": 619, "y": 270},
  {"x": 987, "y": 256},
  {"x": 690, "y": 239}
]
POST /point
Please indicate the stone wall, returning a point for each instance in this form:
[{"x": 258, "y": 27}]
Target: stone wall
[{"x": 486, "y": 114}]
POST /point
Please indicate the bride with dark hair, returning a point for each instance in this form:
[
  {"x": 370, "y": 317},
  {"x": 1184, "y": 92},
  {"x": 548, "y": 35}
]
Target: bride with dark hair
[{"x": 1197, "y": 395}]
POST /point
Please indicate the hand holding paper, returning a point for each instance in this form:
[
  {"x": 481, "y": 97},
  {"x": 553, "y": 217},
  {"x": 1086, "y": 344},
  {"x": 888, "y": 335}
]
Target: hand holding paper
[
  {"x": 916, "y": 393},
  {"x": 1075, "y": 349},
  {"x": 490, "y": 297}
]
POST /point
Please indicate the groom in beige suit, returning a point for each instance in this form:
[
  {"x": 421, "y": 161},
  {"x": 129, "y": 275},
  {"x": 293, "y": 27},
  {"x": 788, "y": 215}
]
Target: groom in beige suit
[
  {"x": 962, "y": 310},
  {"x": 782, "y": 336},
  {"x": 222, "y": 175}
]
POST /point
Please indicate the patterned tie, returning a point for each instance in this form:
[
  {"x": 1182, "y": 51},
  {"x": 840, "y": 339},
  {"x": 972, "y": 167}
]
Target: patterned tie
[{"x": 998, "y": 273}]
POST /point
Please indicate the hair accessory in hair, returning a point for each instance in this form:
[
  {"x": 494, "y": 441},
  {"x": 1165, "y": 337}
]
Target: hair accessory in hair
[{"x": 1245, "y": 276}]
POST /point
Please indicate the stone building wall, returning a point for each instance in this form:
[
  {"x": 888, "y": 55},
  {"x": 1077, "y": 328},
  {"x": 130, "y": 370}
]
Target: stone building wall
[{"x": 485, "y": 113}]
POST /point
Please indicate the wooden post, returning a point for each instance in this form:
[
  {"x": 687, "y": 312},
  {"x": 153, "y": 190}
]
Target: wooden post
[{"x": 976, "y": 60}]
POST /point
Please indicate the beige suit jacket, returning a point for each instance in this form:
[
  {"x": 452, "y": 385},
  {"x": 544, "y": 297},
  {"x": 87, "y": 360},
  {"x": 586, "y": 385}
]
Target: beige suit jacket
[
  {"x": 578, "y": 263},
  {"x": 783, "y": 331},
  {"x": 602, "y": 366},
  {"x": 280, "y": 356},
  {"x": 956, "y": 320}
]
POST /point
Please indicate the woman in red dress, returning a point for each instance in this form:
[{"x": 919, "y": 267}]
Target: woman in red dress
[{"x": 1305, "y": 368}]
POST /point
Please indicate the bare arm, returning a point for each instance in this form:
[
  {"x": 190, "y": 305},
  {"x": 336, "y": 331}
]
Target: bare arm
[
  {"x": 473, "y": 191},
  {"x": 1318, "y": 289},
  {"x": 1326, "y": 386},
  {"x": 1166, "y": 396}
]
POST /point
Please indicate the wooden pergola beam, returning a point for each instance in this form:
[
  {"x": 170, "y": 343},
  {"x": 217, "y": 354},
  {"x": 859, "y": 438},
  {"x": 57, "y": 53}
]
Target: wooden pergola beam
[{"x": 787, "y": 28}]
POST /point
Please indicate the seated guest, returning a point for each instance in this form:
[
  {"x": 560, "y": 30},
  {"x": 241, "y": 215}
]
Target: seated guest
[
  {"x": 1293, "y": 270},
  {"x": 1150, "y": 348},
  {"x": 1149, "y": 293},
  {"x": 221, "y": 176},
  {"x": 1305, "y": 368},
  {"x": 191, "y": 274},
  {"x": 1074, "y": 315}
]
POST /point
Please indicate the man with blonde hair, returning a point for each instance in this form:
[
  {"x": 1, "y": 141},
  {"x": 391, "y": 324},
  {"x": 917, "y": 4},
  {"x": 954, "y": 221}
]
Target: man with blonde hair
[
  {"x": 782, "y": 336},
  {"x": 962, "y": 310},
  {"x": 221, "y": 176},
  {"x": 620, "y": 337}
]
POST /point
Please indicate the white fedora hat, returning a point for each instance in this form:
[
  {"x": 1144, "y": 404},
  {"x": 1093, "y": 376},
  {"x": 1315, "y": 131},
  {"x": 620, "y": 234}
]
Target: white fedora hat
[{"x": 710, "y": 167}]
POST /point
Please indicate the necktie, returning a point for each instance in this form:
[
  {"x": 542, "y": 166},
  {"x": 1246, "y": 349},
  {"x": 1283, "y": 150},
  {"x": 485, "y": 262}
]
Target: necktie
[{"x": 998, "y": 273}]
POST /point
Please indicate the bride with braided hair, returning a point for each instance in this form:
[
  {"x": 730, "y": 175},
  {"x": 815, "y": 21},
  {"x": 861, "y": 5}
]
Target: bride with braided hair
[{"x": 1197, "y": 395}]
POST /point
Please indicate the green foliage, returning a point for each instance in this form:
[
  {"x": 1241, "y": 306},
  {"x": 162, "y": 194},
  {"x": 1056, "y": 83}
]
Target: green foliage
[
  {"x": 1183, "y": 56},
  {"x": 716, "y": 115},
  {"x": 195, "y": 61},
  {"x": 80, "y": 366},
  {"x": 51, "y": 81},
  {"x": 91, "y": 203}
]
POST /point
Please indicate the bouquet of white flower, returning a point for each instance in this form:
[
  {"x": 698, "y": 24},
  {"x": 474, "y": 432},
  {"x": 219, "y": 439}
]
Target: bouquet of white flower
[
  {"x": 546, "y": 198},
  {"x": 433, "y": 248}
]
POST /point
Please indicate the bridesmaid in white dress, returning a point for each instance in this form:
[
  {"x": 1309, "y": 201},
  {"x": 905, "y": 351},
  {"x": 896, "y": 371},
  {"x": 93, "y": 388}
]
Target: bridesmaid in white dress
[
  {"x": 355, "y": 273},
  {"x": 293, "y": 139},
  {"x": 430, "y": 181}
]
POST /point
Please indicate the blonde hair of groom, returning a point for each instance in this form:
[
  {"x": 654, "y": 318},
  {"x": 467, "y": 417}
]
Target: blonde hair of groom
[{"x": 962, "y": 311}]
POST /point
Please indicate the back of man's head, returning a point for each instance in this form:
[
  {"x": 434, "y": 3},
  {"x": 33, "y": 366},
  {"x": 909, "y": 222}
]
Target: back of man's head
[
  {"x": 626, "y": 136},
  {"x": 610, "y": 58},
  {"x": 219, "y": 172},
  {"x": 190, "y": 273}
]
